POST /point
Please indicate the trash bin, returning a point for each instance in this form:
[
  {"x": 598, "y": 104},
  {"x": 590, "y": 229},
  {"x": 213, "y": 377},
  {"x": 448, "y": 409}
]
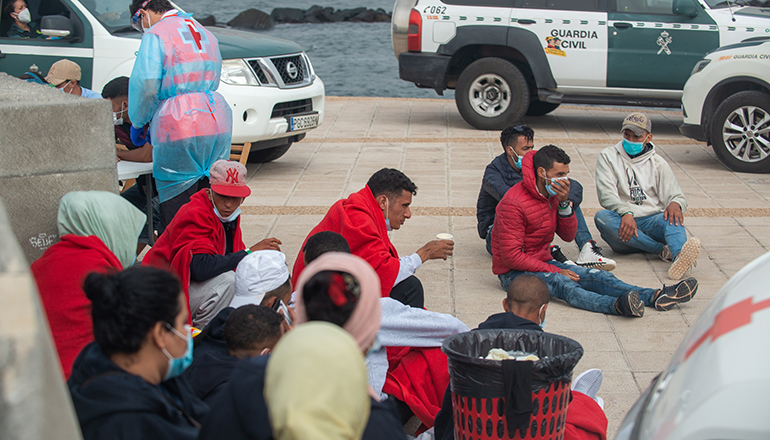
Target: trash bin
[{"x": 510, "y": 399}]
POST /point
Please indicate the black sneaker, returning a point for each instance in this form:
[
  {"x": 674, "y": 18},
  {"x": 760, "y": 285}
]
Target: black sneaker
[
  {"x": 680, "y": 292},
  {"x": 557, "y": 255},
  {"x": 630, "y": 305}
]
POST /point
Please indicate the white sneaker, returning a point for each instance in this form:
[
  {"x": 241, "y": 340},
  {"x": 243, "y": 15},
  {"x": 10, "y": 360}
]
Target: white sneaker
[
  {"x": 591, "y": 256},
  {"x": 588, "y": 382},
  {"x": 687, "y": 258},
  {"x": 665, "y": 254},
  {"x": 599, "y": 401}
]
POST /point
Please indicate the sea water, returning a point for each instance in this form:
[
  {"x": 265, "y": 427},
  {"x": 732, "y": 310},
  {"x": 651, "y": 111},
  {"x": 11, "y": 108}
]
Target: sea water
[{"x": 352, "y": 59}]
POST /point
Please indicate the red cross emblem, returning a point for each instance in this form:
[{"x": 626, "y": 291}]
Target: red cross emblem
[
  {"x": 232, "y": 176},
  {"x": 195, "y": 34}
]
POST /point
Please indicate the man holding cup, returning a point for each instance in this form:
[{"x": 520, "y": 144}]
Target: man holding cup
[{"x": 365, "y": 218}]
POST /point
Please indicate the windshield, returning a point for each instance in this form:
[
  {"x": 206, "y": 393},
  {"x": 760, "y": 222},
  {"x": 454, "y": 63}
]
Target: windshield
[
  {"x": 715, "y": 4},
  {"x": 113, "y": 14}
]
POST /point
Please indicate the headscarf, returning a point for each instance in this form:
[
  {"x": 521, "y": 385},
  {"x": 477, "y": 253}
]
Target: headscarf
[
  {"x": 110, "y": 217},
  {"x": 315, "y": 385},
  {"x": 364, "y": 322}
]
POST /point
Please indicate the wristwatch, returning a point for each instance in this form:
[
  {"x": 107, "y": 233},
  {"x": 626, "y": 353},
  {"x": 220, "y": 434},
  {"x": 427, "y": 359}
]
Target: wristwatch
[{"x": 564, "y": 204}]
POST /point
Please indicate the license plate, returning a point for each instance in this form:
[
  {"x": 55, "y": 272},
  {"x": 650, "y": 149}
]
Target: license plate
[{"x": 303, "y": 122}]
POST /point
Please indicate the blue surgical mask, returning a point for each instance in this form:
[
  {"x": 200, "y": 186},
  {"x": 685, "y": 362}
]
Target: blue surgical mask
[
  {"x": 516, "y": 161},
  {"x": 542, "y": 323},
  {"x": 549, "y": 187},
  {"x": 230, "y": 218},
  {"x": 387, "y": 225},
  {"x": 176, "y": 366},
  {"x": 632, "y": 148}
]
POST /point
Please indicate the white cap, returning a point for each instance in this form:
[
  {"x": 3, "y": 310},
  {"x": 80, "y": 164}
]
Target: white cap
[{"x": 258, "y": 273}]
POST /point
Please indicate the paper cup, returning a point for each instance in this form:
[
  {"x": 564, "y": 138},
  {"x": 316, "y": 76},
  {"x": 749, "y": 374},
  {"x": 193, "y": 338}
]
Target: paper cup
[{"x": 444, "y": 236}]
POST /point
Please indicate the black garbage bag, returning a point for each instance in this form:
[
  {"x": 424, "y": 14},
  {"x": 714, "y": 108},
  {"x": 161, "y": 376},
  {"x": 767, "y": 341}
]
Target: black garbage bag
[{"x": 472, "y": 376}]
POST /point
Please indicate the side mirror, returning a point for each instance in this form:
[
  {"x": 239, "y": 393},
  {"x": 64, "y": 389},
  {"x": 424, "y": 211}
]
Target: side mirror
[
  {"x": 684, "y": 7},
  {"x": 56, "y": 26}
]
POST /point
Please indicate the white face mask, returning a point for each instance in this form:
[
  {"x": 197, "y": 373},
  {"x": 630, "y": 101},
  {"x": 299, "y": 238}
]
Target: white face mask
[
  {"x": 24, "y": 16},
  {"x": 541, "y": 323},
  {"x": 118, "y": 120}
]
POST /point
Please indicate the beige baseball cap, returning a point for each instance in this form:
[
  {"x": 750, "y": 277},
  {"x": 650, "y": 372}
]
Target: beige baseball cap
[
  {"x": 61, "y": 71},
  {"x": 638, "y": 123}
]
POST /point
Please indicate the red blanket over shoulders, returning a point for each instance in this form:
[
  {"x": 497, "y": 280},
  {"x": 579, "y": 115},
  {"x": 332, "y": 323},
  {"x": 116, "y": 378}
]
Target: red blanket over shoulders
[
  {"x": 195, "y": 229},
  {"x": 59, "y": 274},
  {"x": 359, "y": 219}
]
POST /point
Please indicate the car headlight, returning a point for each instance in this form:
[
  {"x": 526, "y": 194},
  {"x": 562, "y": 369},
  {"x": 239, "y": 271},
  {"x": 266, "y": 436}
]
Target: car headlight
[
  {"x": 700, "y": 66},
  {"x": 238, "y": 73}
]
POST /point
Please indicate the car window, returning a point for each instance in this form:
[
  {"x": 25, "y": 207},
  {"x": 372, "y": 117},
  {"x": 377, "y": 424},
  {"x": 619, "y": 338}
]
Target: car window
[
  {"x": 113, "y": 14},
  {"x": 658, "y": 7},
  {"x": 37, "y": 9}
]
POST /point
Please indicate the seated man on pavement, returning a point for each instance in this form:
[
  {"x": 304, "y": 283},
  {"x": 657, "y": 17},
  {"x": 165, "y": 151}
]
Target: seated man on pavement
[
  {"x": 527, "y": 218},
  {"x": 116, "y": 91},
  {"x": 233, "y": 334},
  {"x": 525, "y": 307},
  {"x": 365, "y": 218},
  {"x": 504, "y": 172},
  {"x": 643, "y": 203},
  {"x": 65, "y": 76},
  {"x": 419, "y": 331},
  {"x": 203, "y": 243}
]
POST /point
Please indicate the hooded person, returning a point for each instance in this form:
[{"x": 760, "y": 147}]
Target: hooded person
[
  {"x": 203, "y": 244},
  {"x": 260, "y": 277},
  {"x": 126, "y": 384},
  {"x": 316, "y": 385},
  {"x": 99, "y": 232}
]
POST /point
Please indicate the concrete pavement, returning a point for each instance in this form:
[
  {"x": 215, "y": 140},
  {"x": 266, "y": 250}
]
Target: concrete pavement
[{"x": 445, "y": 157}]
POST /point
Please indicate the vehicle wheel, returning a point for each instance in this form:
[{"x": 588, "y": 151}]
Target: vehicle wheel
[
  {"x": 268, "y": 154},
  {"x": 491, "y": 94},
  {"x": 540, "y": 108},
  {"x": 740, "y": 132}
]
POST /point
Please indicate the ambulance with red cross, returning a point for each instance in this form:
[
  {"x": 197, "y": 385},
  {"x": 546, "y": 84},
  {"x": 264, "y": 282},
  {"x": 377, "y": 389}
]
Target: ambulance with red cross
[
  {"x": 508, "y": 58},
  {"x": 269, "y": 83}
]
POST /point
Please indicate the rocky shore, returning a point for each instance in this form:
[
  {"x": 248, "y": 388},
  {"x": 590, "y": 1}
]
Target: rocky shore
[{"x": 254, "y": 19}]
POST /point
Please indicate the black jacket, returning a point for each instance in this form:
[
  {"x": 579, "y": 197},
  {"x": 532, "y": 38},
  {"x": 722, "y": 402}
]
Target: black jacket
[
  {"x": 499, "y": 177},
  {"x": 212, "y": 365},
  {"x": 113, "y": 404},
  {"x": 444, "y": 427}
]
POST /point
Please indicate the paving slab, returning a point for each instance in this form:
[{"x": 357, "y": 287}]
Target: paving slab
[{"x": 445, "y": 157}]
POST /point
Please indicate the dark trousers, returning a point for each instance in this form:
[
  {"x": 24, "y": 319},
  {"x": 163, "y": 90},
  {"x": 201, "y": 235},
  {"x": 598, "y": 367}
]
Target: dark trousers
[
  {"x": 170, "y": 207},
  {"x": 409, "y": 292}
]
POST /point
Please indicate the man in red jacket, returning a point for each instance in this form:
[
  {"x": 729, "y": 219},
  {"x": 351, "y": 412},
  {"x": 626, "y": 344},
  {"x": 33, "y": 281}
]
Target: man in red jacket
[
  {"x": 528, "y": 216},
  {"x": 365, "y": 218}
]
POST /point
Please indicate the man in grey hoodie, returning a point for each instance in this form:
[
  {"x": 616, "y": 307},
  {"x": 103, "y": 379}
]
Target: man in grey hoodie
[{"x": 644, "y": 205}]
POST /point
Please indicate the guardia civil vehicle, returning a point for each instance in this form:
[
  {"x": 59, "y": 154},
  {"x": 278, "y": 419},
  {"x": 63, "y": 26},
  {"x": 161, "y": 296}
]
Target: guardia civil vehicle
[
  {"x": 269, "y": 83},
  {"x": 507, "y": 58}
]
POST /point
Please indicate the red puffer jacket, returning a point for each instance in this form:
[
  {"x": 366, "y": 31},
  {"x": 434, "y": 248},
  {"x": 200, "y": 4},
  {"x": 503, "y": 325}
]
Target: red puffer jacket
[{"x": 524, "y": 226}]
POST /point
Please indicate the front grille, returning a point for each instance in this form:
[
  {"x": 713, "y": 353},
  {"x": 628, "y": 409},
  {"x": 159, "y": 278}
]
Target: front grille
[
  {"x": 290, "y": 66},
  {"x": 258, "y": 70},
  {"x": 292, "y": 108}
]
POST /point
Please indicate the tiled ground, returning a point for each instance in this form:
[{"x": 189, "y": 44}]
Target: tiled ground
[{"x": 430, "y": 142}]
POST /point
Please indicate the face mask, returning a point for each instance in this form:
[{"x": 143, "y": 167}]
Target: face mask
[
  {"x": 24, "y": 16},
  {"x": 176, "y": 366},
  {"x": 517, "y": 161},
  {"x": 145, "y": 29},
  {"x": 632, "y": 148},
  {"x": 118, "y": 120},
  {"x": 232, "y": 216},
  {"x": 542, "y": 323},
  {"x": 65, "y": 86},
  {"x": 387, "y": 220},
  {"x": 549, "y": 187}
]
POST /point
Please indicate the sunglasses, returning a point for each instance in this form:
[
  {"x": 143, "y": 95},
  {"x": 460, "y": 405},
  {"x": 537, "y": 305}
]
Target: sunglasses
[{"x": 136, "y": 19}]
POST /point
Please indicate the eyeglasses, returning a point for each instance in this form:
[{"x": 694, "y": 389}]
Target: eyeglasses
[
  {"x": 520, "y": 128},
  {"x": 135, "y": 23}
]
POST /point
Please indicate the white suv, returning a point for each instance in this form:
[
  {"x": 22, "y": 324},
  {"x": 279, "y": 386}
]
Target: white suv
[{"x": 726, "y": 103}]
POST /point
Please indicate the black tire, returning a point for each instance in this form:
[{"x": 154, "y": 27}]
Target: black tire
[
  {"x": 268, "y": 154},
  {"x": 497, "y": 86},
  {"x": 540, "y": 108},
  {"x": 747, "y": 148}
]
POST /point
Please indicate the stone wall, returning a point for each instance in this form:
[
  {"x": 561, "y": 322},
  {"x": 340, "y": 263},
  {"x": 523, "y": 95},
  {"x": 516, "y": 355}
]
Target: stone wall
[{"x": 50, "y": 144}]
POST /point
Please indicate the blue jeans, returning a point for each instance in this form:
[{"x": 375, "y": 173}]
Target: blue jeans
[
  {"x": 137, "y": 199},
  {"x": 582, "y": 237},
  {"x": 654, "y": 232},
  {"x": 596, "y": 290}
]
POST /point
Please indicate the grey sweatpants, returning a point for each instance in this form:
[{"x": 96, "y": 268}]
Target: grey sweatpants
[{"x": 209, "y": 297}]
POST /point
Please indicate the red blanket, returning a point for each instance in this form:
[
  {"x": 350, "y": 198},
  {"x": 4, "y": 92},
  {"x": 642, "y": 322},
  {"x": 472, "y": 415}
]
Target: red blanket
[
  {"x": 195, "y": 229},
  {"x": 418, "y": 376},
  {"x": 60, "y": 273},
  {"x": 585, "y": 419},
  {"x": 360, "y": 220}
]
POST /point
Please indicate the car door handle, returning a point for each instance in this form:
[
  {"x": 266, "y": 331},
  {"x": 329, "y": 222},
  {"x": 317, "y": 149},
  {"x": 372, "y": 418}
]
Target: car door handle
[
  {"x": 622, "y": 25},
  {"x": 2, "y": 55},
  {"x": 526, "y": 21}
]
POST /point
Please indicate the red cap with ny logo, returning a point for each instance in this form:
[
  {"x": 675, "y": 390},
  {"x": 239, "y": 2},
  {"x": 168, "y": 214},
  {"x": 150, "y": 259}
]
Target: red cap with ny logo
[{"x": 228, "y": 178}]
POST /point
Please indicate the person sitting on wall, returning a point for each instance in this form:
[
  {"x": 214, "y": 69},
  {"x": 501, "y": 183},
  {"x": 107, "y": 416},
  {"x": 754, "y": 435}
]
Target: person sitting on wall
[
  {"x": 203, "y": 244},
  {"x": 98, "y": 231},
  {"x": 365, "y": 218}
]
